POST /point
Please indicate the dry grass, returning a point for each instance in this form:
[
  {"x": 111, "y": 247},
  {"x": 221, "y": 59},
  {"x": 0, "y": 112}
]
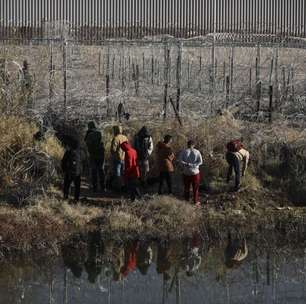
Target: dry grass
[
  {"x": 27, "y": 166},
  {"x": 161, "y": 216}
]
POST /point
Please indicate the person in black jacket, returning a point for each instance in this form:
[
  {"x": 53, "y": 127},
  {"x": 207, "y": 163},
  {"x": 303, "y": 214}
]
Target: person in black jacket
[
  {"x": 71, "y": 166},
  {"x": 95, "y": 147}
]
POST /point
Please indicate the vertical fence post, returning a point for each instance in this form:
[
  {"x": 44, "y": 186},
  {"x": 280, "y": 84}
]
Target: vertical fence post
[
  {"x": 137, "y": 79},
  {"x": 166, "y": 79},
  {"x": 65, "y": 77},
  {"x": 224, "y": 76},
  {"x": 99, "y": 63},
  {"x": 108, "y": 109},
  {"x": 50, "y": 73},
  {"x": 292, "y": 84},
  {"x": 271, "y": 72},
  {"x": 200, "y": 74},
  {"x": 188, "y": 73},
  {"x": 232, "y": 70},
  {"x": 270, "y": 102},
  {"x": 178, "y": 77},
  {"x": 152, "y": 70},
  {"x": 250, "y": 81},
  {"x": 113, "y": 66},
  {"x": 276, "y": 80},
  {"x": 227, "y": 97}
]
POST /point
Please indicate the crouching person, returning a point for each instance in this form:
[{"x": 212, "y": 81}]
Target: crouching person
[
  {"x": 191, "y": 160},
  {"x": 131, "y": 171},
  {"x": 235, "y": 155},
  {"x": 71, "y": 166}
]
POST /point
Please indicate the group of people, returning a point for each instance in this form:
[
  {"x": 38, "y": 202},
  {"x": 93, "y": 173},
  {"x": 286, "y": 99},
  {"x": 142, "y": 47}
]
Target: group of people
[
  {"x": 131, "y": 163},
  {"x": 117, "y": 259}
]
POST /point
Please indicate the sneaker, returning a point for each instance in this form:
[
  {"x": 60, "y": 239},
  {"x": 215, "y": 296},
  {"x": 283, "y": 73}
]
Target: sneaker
[{"x": 198, "y": 204}]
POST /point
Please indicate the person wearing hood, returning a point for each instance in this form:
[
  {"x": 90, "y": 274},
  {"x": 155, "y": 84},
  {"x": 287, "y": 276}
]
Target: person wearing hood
[
  {"x": 144, "y": 147},
  {"x": 165, "y": 158},
  {"x": 131, "y": 171},
  {"x": 117, "y": 153},
  {"x": 191, "y": 160},
  {"x": 95, "y": 147},
  {"x": 71, "y": 166}
]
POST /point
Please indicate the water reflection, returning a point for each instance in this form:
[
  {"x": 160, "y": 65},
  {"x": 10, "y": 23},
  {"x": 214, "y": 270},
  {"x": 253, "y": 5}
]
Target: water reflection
[{"x": 94, "y": 270}]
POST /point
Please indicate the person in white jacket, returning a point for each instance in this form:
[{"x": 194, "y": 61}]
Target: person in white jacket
[
  {"x": 191, "y": 159},
  {"x": 144, "y": 146}
]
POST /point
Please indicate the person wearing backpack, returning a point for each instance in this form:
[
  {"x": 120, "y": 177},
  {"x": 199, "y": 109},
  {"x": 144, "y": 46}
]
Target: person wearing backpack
[
  {"x": 95, "y": 147},
  {"x": 71, "y": 166},
  {"x": 144, "y": 147},
  {"x": 235, "y": 155}
]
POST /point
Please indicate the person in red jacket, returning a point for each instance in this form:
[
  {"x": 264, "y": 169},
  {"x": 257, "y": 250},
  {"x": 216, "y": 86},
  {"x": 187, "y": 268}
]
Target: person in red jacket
[{"x": 131, "y": 170}]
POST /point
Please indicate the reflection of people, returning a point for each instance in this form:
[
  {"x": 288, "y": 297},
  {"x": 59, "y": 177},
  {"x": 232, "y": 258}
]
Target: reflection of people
[
  {"x": 93, "y": 265},
  {"x": 236, "y": 252},
  {"x": 144, "y": 257},
  {"x": 163, "y": 262},
  {"x": 193, "y": 260},
  {"x": 115, "y": 253},
  {"x": 73, "y": 257},
  {"x": 130, "y": 261}
]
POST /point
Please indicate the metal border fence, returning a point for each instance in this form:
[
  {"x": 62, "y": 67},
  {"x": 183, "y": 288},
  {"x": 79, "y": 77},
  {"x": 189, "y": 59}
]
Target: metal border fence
[{"x": 98, "y": 20}]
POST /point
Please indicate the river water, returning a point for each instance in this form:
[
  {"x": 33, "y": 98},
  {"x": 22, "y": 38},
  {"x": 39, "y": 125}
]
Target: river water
[{"x": 89, "y": 271}]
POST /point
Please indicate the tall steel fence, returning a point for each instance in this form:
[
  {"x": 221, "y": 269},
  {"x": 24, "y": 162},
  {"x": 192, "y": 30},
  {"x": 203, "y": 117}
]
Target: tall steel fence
[{"x": 98, "y": 20}]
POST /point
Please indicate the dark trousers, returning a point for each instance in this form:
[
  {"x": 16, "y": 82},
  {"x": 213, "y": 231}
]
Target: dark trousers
[
  {"x": 194, "y": 181},
  {"x": 132, "y": 188},
  {"x": 97, "y": 174},
  {"x": 68, "y": 179},
  {"x": 234, "y": 164},
  {"x": 165, "y": 177}
]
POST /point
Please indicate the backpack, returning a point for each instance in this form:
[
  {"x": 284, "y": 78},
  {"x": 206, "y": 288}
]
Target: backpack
[
  {"x": 234, "y": 146},
  {"x": 143, "y": 147},
  {"x": 94, "y": 144}
]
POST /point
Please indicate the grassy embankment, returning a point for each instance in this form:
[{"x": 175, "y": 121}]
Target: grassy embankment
[{"x": 32, "y": 215}]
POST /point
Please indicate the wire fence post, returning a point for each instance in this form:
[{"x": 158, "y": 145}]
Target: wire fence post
[
  {"x": 178, "y": 77},
  {"x": 270, "y": 102},
  {"x": 166, "y": 78},
  {"x": 65, "y": 77}
]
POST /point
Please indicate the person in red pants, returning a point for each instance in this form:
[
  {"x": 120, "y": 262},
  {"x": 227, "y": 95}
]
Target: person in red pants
[{"x": 191, "y": 160}]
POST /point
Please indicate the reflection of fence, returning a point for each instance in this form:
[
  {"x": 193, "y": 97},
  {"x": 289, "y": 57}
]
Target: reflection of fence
[{"x": 97, "y": 20}]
